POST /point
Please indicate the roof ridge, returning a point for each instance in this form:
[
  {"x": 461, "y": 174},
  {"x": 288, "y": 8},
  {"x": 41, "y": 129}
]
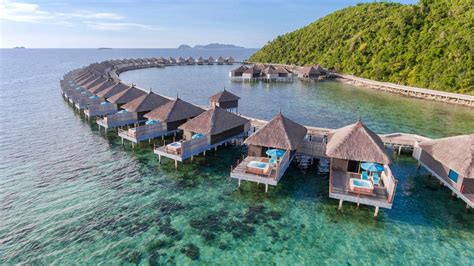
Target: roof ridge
[{"x": 285, "y": 129}]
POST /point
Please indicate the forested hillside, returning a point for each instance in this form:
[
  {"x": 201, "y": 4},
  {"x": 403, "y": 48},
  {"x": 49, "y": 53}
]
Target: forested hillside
[{"x": 430, "y": 44}]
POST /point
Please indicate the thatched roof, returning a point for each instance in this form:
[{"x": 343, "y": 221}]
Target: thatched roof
[
  {"x": 111, "y": 91},
  {"x": 240, "y": 69},
  {"x": 126, "y": 96},
  {"x": 175, "y": 110},
  {"x": 94, "y": 83},
  {"x": 224, "y": 96},
  {"x": 145, "y": 103},
  {"x": 356, "y": 142},
  {"x": 270, "y": 70},
  {"x": 282, "y": 70},
  {"x": 252, "y": 70},
  {"x": 102, "y": 86},
  {"x": 280, "y": 133},
  {"x": 456, "y": 153},
  {"x": 87, "y": 80},
  {"x": 214, "y": 121},
  {"x": 312, "y": 70}
]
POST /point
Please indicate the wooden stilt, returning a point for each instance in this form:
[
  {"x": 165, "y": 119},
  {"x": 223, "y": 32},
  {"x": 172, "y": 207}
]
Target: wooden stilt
[
  {"x": 122, "y": 141},
  {"x": 192, "y": 158},
  {"x": 159, "y": 158},
  {"x": 266, "y": 188},
  {"x": 175, "y": 164},
  {"x": 204, "y": 153},
  {"x": 239, "y": 182},
  {"x": 376, "y": 211},
  {"x": 340, "y": 204},
  {"x": 399, "y": 150}
]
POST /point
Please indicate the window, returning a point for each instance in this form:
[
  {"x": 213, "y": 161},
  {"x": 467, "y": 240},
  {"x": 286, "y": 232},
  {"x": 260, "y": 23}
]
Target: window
[
  {"x": 453, "y": 176},
  {"x": 353, "y": 166}
]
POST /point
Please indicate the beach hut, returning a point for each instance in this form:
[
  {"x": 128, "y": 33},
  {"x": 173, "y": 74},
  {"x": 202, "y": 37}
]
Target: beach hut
[
  {"x": 359, "y": 167},
  {"x": 163, "y": 120},
  {"x": 230, "y": 60},
  {"x": 451, "y": 160},
  {"x": 225, "y": 100},
  {"x": 200, "y": 61},
  {"x": 238, "y": 72},
  {"x": 208, "y": 130},
  {"x": 220, "y": 60},
  {"x": 270, "y": 151},
  {"x": 211, "y": 60}
]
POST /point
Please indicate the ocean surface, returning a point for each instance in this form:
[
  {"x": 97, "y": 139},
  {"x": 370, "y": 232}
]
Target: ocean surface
[{"x": 71, "y": 195}]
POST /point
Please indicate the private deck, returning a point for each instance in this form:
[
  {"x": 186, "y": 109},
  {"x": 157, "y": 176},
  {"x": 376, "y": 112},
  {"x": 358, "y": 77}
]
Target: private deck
[
  {"x": 94, "y": 110},
  {"x": 118, "y": 120},
  {"x": 381, "y": 196},
  {"x": 145, "y": 132},
  {"x": 191, "y": 148},
  {"x": 241, "y": 171}
]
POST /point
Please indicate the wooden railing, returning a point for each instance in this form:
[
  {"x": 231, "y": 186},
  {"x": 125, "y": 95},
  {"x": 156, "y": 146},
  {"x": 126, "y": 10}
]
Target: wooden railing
[
  {"x": 282, "y": 165},
  {"x": 144, "y": 130},
  {"x": 94, "y": 108},
  {"x": 119, "y": 117},
  {"x": 189, "y": 146},
  {"x": 390, "y": 182}
]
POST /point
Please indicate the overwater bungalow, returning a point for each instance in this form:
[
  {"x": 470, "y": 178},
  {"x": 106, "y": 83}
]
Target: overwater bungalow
[
  {"x": 238, "y": 72},
  {"x": 311, "y": 72},
  {"x": 283, "y": 72},
  {"x": 252, "y": 73},
  {"x": 220, "y": 60},
  {"x": 359, "y": 167},
  {"x": 269, "y": 73},
  {"x": 181, "y": 61},
  {"x": 125, "y": 96},
  {"x": 87, "y": 98},
  {"x": 133, "y": 112},
  {"x": 211, "y": 60},
  {"x": 200, "y": 61},
  {"x": 162, "y": 121},
  {"x": 190, "y": 61},
  {"x": 270, "y": 151},
  {"x": 225, "y": 100},
  {"x": 111, "y": 91},
  {"x": 451, "y": 161},
  {"x": 172, "y": 61},
  {"x": 230, "y": 60},
  {"x": 208, "y": 130}
]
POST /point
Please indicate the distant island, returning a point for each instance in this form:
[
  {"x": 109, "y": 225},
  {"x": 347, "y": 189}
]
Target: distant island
[
  {"x": 211, "y": 46},
  {"x": 104, "y": 48},
  {"x": 422, "y": 45},
  {"x": 19, "y": 47}
]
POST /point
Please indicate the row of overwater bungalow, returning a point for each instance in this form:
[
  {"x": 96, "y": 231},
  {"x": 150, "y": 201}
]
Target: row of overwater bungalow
[
  {"x": 277, "y": 73},
  {"x": 359, "y": 164}
]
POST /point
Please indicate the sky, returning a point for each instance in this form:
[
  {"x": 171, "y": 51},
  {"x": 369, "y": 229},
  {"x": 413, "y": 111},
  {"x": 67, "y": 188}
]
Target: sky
[{"x": 156, "y": 23}]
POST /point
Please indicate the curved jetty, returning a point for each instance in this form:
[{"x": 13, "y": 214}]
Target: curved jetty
[{"x": 359, "y": 164}]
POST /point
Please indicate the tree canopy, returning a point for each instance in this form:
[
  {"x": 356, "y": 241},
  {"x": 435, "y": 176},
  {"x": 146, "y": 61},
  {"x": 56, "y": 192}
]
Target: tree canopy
[{"x": 425, "y": 45}]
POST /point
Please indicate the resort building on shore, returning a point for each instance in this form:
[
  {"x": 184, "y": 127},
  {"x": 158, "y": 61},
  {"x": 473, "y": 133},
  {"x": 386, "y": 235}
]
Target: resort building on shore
[
  {"x": 162, "y": 121},
  {"x": 270, "y": 151},
  {"x": 451, "y": 161},
  {"x": 359, "y": 167},
  {"x": 207, "y": 131},
  {"x": 225, "y": 100}
]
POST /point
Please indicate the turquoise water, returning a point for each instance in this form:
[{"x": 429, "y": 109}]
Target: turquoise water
[{"x": 71, "y": 195}]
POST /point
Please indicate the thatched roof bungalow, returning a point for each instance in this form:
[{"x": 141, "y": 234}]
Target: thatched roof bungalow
[
  {"x": 230, "y": 60},
  {"x": 102, "y": 86},
  {"x": 252, "y": 72},
  {"x": 210, "y": 60},
  {"x": 217, "y": 124},
  {"x": 190, "y": 61},
  {"x": 126, "y": 96},
  {"x": 225, "y": 100},
  {"x": 111, "y": 91},
  {"x": 348, "y": 147},
  {"x": 145, "y": 103},
  {"x": 200, "y": 60},
  {"x": 451, "y": 160},
  {"x": 174, "y": 113},
  {"x": 280, "y": 133},
  {"x": 220, "y": 60},
  {"x": 311, "y": 72},
  {"x": 238, "y": 72}
]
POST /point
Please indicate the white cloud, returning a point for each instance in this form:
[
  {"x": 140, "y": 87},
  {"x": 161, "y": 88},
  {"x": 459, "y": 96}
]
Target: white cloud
[
  {"x": 22, "y": 12},
  {"x": 32, "y": 13},
  {"x": 119, "y": 26}
]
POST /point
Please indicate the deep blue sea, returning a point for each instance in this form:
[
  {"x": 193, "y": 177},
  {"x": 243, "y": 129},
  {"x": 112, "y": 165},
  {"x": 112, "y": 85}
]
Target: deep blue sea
[{"x": 70, "y": 195}]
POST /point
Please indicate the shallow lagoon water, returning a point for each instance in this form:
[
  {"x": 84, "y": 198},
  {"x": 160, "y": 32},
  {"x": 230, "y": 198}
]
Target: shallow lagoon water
[{"x": 71, "y": 195}]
